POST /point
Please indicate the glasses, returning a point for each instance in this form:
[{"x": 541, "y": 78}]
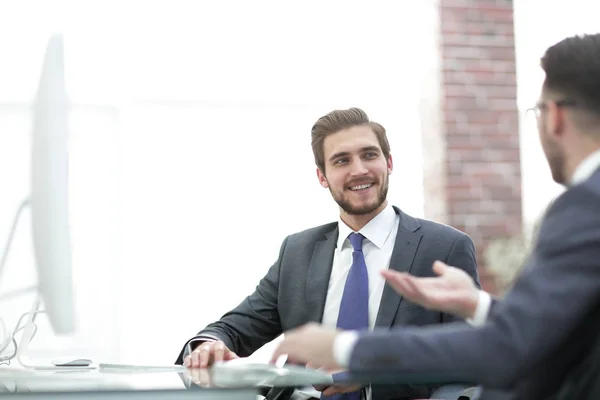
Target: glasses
[{"x": 543, "y": 105}]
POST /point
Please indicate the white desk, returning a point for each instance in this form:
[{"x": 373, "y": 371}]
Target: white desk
[
  {"x": 232, "y": 382},
  {"x": 237, "y": 394},
  {"x": 93, "y": 384}
]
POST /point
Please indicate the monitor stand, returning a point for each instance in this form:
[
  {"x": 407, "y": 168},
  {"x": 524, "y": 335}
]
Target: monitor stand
[
  {"x": 28, "y": 331},
  {"x": 23, "y": 361}
]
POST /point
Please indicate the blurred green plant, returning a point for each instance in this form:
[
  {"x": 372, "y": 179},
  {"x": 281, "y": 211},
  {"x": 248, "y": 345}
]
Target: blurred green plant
[{"x": 505, "y": 257}]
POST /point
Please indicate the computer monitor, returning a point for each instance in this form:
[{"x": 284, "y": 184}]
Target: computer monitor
[
  {"x": 49, "y": 197},
  {"x": 49, "y": 203}
]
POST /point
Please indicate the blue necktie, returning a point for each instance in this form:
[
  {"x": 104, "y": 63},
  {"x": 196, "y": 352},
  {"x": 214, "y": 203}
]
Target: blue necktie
[{"x": 354, "y": 308}]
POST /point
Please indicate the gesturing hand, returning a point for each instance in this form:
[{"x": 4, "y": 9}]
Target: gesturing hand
[
  {"x": 452, "y": 290},
  {"x": 309, "y": 344}
]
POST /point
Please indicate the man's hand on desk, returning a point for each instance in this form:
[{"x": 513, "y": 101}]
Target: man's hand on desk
[
  {"x": 310, "y": 344},
  {"x": 207, "y": 353},
  {"x": 451, "y": 291}
]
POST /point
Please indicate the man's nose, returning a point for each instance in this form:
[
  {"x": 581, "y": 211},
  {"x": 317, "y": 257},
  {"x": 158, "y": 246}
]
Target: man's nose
[{"x": 359, "y": 168}]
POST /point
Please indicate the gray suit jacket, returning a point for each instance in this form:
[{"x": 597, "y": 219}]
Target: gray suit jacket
[
  {"x": 536, "y": 335},
  {"x": 294, "y": 290}
]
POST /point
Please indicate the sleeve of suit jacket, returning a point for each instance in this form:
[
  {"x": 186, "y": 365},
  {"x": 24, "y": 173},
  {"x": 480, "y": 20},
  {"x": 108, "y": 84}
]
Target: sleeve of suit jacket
[
  {"x": 558, "y": 289},
  {"x": 253, "y": 323}
]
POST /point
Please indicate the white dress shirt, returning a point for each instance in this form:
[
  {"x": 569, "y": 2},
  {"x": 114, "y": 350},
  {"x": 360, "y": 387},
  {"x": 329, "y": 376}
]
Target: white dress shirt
[
  {"x": 345, "y": 341},
  {"x": 587, "y": 167},
  {"x": 380, "y": 237}
]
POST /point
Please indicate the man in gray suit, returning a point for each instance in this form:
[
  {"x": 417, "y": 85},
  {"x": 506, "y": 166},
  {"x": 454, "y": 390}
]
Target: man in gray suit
[
  {"x": 310, "y": 279},
  {"x": 533, "y": 342}
]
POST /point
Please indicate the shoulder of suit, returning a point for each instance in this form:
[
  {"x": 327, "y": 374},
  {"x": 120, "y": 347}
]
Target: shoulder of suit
[
  {"x": 425, "y": 226},
  {"x": 439, "y": 228},
  {"x": 583, "y": 197},
  {"x": 593, "y": 183},
  {"x": 315, "y": 233}
]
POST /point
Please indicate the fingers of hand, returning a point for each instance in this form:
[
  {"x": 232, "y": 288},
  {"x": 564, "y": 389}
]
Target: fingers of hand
[
  {"x": 199, "y": 356},
  {"x": 414, "y": 287},
  {"x": 404, "y": 285},
  {"x": 207, "y": 353},
  {"x": 280, "y": 350},
  {"x": 218, "y": 351},
  {"x": 319, "y": 367},
  {"x": 439, "y": 267},
  {"x": 393, "y": 275},
  {"x": 394, "y": 278}
]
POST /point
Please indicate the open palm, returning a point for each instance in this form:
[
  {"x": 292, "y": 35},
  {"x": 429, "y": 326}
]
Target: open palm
[{"x": 452, "y": 290}]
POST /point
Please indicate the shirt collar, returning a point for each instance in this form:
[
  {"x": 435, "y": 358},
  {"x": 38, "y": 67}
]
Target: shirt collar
[
  {"x": 586, "y": 168},
  {"x": 376, "y": 230}
]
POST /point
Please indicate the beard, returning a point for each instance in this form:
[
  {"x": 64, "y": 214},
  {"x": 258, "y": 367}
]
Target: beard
[
  {"x": 556, "y": 159},
  {"x": 362, "y": 209}
]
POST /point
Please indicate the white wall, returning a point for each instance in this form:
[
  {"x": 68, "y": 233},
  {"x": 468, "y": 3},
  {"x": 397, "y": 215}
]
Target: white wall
[{"x": 190, "y": 129}]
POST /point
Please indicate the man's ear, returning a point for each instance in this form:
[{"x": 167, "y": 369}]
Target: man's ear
[
  {"x": 322, "y": 179},
  {"x": 390, "y": 165}
]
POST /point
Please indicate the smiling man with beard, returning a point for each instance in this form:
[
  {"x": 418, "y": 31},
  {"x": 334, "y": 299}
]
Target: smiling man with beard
[{"x": 331, "y": 274}]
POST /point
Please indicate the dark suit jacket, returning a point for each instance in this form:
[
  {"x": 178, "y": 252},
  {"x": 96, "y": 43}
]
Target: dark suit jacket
[
  {"x": 583, "y": 382},
  {"x": 294, "y": 290},
  {"x": 536, "y": 335}
]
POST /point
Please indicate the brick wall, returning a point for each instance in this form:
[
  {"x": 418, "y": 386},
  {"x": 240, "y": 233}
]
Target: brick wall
[{"x": 479, "y": 172}]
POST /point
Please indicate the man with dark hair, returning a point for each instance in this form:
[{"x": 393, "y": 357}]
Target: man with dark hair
[
  {"x": 534, "y": 343},
  {"x": 331, "y": 273}
]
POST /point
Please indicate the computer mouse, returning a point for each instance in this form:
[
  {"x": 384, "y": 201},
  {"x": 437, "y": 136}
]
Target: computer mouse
[{"x": 72, "y": 362}]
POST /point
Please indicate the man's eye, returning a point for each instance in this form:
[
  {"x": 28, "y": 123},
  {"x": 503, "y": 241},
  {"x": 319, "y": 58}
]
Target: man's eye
[
  {"x": 340, "y": 161},
  {"x": 371, "y": 155}
]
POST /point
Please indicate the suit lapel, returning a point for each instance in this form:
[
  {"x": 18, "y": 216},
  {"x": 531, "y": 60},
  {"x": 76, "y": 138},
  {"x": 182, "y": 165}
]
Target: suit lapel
[
  {"x": 405, "y": 248},
  {"x": 319, "y": 272}
]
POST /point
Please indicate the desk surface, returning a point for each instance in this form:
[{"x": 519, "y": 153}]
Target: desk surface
[
  {"x": 227, "y": 382},
  {"x": 241, "y": 382},
  {"x": 92, "y": 384},
  {"x": 207, "y": 394}
]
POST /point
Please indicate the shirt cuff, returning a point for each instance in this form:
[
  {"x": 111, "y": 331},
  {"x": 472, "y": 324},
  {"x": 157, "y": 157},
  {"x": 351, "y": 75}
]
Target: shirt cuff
[
  {"x": 342, "y": 347},
  {"x": 195, "y": 342},
  {"x": 482, "y": 310}
]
